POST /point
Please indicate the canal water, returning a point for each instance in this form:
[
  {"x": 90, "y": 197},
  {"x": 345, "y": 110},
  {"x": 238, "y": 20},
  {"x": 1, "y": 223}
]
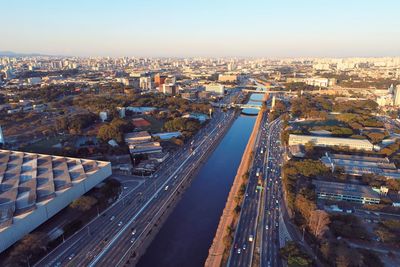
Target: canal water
[{"x": 188, "y": 232}]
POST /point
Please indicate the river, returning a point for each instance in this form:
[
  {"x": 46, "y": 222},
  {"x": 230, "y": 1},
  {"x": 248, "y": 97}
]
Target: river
[{"x": 187, "y": 234}]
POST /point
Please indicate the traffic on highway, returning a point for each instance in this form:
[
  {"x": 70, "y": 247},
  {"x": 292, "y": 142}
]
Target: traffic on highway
[{"x": 112, "y": 238}]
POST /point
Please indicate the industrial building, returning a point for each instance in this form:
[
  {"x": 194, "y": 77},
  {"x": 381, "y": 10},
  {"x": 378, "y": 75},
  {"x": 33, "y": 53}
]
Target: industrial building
[
  {"x": 346, "y": 192},
  {"x": 359, "y": 165},
  {"x": 34, "y": 187},
  {"x": 323, "y": 141}
]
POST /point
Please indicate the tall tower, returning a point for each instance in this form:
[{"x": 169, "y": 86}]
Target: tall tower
[
  {"x": 396, "y": 98},
  {"x": 1, "y": 137},
  {"x": 273, "y": 102}
]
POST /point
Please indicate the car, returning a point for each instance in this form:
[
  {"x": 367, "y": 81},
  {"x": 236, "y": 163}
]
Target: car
[
  {"x": 166, "y": 188},
  {"x": 266, "y": 227},
  {"x": 133, "y": 240},
  {"x": 134, "y": 232},
  {"x": 244, "y": 246},
  {"x": 71, "y": 256},
  {"x": 239, "y": 250},
  {"x": 120, "y": 223},
  {"x": 112, "y": 218},
  {"x": 125, "y": 187}
]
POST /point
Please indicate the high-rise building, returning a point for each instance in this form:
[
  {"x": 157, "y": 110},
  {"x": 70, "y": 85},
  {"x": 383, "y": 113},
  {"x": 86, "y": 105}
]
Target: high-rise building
[
  {"x": 159, "y": 79},
  {"x": 2, "y": 142},
  {"x": 168, "y": 89},
  {"x": 396, "y": 93}
]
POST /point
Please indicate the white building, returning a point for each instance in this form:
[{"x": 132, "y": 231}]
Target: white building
[
  {"x": 396, "y": 95},
  {"x": 227, "y": 78},
  {"x": 34, "y": 80},
  {"x": 320, "y": 82},
  {"x": 322, "y": 141},
  {"x": 35, "y": 187},
  {"x": 216, "y": 88},
  {"x": 103, "y": 116}
]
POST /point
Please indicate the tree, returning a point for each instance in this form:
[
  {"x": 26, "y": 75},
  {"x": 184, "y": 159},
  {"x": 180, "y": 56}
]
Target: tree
[
  {"x": 84, "y": 203},
  {"x": 375, "y": 137},
  {"x": 319, "y": 221},
  {"x": 31, "y": 245},
  {"x": 294, "y": 256},
  {"x": 114, "y": 130},
  {"x": 304, "y": 206}
]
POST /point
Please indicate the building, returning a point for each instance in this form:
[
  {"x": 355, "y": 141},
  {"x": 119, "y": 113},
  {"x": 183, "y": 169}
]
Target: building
[
  {"x": 320, "y": 82},
  {"x": 168, "y": 89},
  {"x": 35, "y": 187},
  {"x": 145, "y": 148},
  {"x": 385, "y": 100},
  {"x": 167, "y": 135},
  {"x": 146, "y": 83},
  {"x": 215, "y": 88},
  {"x": 2, "y": 141},
  {"x": 346, "y": 192},
  {"x": 231, "y": 78},
  {"x": 158, "y": 157},
  {"x": 34, "y": 80},
  {"x": 359, "y": 165},
  {"x": 396, "y": 95},
  {"x": 137, "y": 137},
  {"x": 103, "y": 116},
  {"x": 324, "y": 141},
  {"x": 159, "y": 79}
]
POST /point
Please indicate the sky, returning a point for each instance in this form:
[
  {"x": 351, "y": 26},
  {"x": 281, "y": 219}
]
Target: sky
[{"x": 211, "y": 28}]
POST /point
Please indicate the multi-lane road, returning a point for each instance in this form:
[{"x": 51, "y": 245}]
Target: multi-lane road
[
  {"x": 244, "y": 240},
  {"x": 269, "y": 239},
  {"x": 112, "y": 238},
  {"x": 258, "y": 225}
]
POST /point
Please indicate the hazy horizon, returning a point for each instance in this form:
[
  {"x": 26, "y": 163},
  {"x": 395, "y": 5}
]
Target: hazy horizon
[{"x": 175, "y": 28}]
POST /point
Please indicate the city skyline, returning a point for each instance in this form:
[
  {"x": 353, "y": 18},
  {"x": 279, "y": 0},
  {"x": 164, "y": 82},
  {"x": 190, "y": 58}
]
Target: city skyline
[{"x": 206, "y": 29}]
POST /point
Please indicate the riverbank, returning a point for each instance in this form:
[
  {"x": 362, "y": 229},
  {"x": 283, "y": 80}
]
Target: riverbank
[{"x": 159, "y": 221}]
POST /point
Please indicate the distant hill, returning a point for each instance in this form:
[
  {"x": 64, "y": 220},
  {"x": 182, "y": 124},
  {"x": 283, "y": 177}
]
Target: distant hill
[{"x": 14, "y": 54}]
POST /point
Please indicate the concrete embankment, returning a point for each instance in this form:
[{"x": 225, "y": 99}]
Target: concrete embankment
[{"x": 216, "y": 251}]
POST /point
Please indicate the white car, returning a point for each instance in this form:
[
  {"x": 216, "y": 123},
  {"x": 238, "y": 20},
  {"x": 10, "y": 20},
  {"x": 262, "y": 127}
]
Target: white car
[{"x": 120, "y": 223}]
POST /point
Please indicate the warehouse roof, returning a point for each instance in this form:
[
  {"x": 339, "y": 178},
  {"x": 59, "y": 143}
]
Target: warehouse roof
[
  {"x": 27, "y": 179},
  {"x": 345, "y": 189}
]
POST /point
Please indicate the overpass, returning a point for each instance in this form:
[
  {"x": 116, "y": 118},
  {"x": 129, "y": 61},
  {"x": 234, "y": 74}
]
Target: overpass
[
  {"x": 268, "y": 92},
  {"x": 242, "y": 106}
]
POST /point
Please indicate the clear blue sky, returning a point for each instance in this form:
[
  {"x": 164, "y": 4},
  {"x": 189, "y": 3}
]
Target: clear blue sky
[{"x": 270, "y": 28}]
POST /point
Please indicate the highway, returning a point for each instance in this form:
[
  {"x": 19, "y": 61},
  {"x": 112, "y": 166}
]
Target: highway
[
  {"x": 272, "y": 198},
  {"x": 111, "y": 238},
  {"x": 242, "y": 250}
]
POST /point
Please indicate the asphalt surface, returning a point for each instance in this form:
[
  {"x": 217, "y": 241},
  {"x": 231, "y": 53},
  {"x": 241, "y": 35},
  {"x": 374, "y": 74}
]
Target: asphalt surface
[
  {"x": 272, "y": 198},
  {"x": 115, "y": 233},
  {"x": 244, "y": 241}
]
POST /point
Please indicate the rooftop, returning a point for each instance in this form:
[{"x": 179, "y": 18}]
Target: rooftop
[
  {"x": 29, "y": 179},
  {"x": 345, "y": 189}
]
